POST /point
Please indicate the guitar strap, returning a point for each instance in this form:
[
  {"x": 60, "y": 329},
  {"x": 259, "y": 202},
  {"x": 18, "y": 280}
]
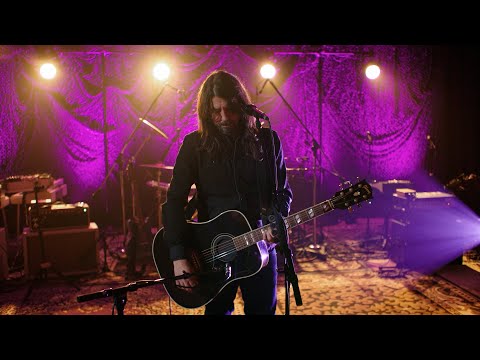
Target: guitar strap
[{"x": 191, "y": 207}]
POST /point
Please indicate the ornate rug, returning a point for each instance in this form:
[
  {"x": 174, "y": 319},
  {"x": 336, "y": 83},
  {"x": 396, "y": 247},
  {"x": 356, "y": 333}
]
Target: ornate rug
[{"x": 349, "y": 277}]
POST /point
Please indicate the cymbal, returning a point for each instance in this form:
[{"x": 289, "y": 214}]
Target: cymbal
[
  {"x": 305, "y": 168},
  {"x": 297, "y": 169},
  {"x": 161, "y": 185},
  {"x": 157, "y": 166}
]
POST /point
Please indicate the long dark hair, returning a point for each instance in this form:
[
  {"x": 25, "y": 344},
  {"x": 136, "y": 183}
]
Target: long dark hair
[{"x": 229, "y": 87}]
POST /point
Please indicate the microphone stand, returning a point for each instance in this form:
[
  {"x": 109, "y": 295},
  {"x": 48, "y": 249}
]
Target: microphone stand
[
  {"x": 315, "y": 146},
  {"x": 45, "y": 264},
  {"x": 177, "y": 90},
  {"x": 369, "y": 139},
  {"x": 279, "y": 230},
  {"x": 120, "y": 161},
  {"x": 119, "y": 294},
  {"x": 431, "y": 155}
]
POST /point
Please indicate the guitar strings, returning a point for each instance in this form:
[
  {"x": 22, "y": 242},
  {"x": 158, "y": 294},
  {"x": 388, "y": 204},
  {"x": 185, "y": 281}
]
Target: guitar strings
[{"x": 229, "y": 248}]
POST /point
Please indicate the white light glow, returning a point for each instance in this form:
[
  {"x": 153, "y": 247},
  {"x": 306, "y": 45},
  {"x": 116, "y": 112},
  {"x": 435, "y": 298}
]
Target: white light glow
[
  {"x": 372, "y": 72},
  {"x": 268, "y": 71},
  {"x": 161, "y": 72},
  {"x": 48, "y": 71}
]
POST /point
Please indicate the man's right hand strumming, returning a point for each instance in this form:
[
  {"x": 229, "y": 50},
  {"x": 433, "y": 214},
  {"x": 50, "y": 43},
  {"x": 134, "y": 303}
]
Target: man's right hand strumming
[{"x": 185, "y": 266}]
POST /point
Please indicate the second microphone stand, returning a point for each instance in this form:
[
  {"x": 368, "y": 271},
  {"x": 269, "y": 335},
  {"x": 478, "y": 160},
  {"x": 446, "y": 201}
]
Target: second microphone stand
[
  {"x": 279, "y": 229},
  {"x": 315, "y": 246},
  {"x": 119, "y": 294}
]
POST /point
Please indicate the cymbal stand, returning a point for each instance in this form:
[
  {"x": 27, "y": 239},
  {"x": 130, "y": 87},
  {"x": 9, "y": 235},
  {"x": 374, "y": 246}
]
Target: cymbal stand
[
  {"x": 136, "y": 221},
  {"x": 120, "y": 160},
  {"x": 159, "y": 190}
]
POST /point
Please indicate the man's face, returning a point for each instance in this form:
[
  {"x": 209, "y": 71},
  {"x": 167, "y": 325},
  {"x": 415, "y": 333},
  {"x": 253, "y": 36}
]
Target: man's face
[{"x": 224, "y": 117}]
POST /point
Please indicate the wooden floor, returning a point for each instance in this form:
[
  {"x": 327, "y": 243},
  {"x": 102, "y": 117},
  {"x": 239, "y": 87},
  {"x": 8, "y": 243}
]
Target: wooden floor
[{"x": 347, "y": 276}]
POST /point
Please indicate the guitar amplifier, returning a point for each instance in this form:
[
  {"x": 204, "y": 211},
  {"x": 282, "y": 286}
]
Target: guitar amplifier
[
  {"x": 58, "y": 216},
  {"x": 70, "y": 251}
]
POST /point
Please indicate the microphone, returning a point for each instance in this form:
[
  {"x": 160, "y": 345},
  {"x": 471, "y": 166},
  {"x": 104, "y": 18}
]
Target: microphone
[
  {"x": 182, "y": 94},
  {"x": 369, "y": 137},
  {"x": 252, "y": 110},
  {"x": 431, "y": 143}
]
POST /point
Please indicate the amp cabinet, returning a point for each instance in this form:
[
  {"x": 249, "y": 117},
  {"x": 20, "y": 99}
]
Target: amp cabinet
[{"x": 69, "y": 251}]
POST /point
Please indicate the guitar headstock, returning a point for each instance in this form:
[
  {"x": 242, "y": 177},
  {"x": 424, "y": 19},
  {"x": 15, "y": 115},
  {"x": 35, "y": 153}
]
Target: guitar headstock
[{"x": 353, "y": 195}]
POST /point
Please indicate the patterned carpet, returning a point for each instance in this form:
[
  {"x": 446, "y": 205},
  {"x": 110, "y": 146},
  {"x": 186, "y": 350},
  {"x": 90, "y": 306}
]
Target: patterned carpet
[{"x": 351, "y": 277}]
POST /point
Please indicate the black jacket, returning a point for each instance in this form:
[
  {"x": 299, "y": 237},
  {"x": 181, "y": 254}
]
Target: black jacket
[{"x": 222, "y": 185}]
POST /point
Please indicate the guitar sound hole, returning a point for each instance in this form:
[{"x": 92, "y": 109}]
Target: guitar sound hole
[{"x": 224, "y": 249}]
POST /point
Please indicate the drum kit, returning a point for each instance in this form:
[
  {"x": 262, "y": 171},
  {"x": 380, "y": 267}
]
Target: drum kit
[
  {"x": 159, "y": 166},
  {"x": 300, "y": 160},
  {"x": 162, "y": 186}
]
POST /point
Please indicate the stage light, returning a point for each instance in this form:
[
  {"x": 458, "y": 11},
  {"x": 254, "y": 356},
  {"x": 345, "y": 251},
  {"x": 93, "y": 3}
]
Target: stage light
[
  {"x": 372, "y": 71},
  {"x": 161, "y": 72},
  {"x": 48, "y": 71},
  {"x": 268, "y": 71}
]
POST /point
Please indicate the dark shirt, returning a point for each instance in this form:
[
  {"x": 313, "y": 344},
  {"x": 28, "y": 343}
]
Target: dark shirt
[{"x": 222, "y": 184}]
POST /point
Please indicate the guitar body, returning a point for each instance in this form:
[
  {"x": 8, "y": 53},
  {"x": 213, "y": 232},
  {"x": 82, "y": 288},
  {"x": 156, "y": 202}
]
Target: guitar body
[{"x": 211, "y": 248}]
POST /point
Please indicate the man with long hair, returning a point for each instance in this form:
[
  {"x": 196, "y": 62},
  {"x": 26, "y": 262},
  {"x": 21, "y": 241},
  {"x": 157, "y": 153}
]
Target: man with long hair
[{"x": 224, "y": 159}]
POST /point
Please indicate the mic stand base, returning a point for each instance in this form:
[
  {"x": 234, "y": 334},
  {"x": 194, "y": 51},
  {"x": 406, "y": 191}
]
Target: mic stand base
[
  {"x": 105, "y": 264},
  {"x": 119, "y": 302},
  {"x": 319, "y": 251}
]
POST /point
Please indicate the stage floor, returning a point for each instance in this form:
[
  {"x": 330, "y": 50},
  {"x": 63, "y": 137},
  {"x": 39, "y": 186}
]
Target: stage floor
[{"x": 348, "y": 276}]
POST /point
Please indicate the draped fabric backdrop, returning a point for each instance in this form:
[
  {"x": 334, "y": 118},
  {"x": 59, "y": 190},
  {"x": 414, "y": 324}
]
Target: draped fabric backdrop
[{"x": 76, "y": 125}]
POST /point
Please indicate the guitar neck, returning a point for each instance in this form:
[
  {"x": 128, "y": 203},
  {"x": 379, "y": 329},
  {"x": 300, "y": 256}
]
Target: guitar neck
[
  {"x": 245, "y": 240},
  {"x": 308, "y": 214}
]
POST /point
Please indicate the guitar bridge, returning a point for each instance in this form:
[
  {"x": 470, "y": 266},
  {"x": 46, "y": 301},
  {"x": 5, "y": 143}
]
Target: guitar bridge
[{"x": 228, "y": 271}]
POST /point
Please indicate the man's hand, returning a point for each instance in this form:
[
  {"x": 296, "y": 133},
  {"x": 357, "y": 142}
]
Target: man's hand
[
  {"x": 184, "y": 266},
  {"x": 269, "y": 237}
]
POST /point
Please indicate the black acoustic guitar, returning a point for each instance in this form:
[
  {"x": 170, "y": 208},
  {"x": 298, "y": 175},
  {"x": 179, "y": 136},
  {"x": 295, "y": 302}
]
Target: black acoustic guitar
[{"x": 225, "y": 248}]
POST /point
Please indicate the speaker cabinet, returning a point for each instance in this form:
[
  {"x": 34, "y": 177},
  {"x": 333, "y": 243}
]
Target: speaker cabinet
[
  {"x": 3, "y": 255},
  {"x": 69, "y": 251}
]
